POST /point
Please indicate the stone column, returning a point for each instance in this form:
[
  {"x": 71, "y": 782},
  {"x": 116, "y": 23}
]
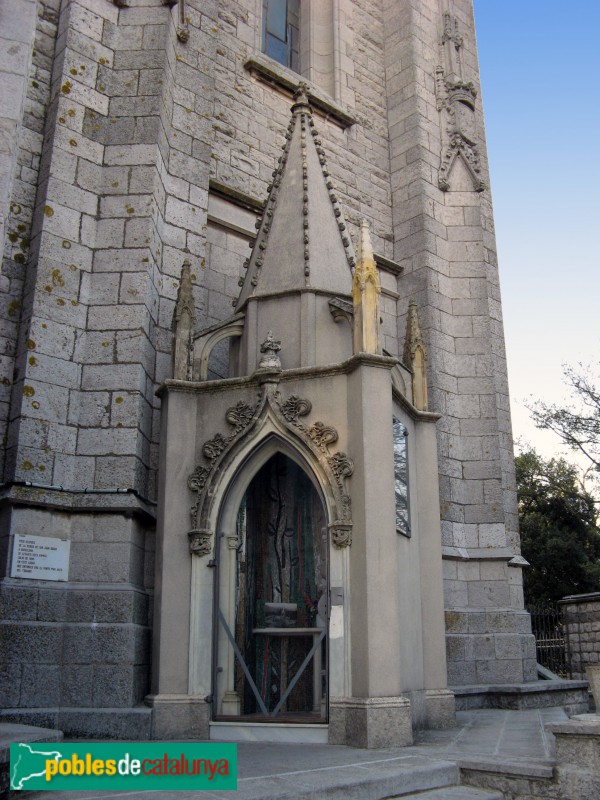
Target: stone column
[{"x": 230, "y": 703}]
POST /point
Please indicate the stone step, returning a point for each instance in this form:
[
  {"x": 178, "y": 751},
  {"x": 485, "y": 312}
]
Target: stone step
[
  {"x": 366, "y": 780},
  {"x": 455, "y": 793}
]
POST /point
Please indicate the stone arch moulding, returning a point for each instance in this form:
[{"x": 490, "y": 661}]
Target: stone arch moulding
[
  {"x": 207, "y": 340},
  {"x": 224, "y": 454}
]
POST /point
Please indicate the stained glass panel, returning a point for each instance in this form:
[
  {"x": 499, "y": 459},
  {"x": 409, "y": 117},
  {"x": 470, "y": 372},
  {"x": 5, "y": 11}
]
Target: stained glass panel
[{"x": 401, "y": 477}]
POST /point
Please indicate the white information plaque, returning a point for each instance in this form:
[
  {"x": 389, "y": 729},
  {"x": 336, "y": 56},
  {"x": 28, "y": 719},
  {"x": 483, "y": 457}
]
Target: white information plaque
[{"x": 40, "y": 557}]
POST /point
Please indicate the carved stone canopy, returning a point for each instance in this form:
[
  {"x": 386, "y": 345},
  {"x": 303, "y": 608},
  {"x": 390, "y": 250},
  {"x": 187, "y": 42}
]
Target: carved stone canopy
[{"x": 456, "y": 104}]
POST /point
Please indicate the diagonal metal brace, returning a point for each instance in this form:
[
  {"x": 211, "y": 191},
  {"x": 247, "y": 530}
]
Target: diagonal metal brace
[{"x": 240, "y": 658}]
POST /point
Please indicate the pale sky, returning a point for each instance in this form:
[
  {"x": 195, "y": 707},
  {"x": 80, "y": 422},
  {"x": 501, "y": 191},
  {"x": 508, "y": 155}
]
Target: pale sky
[{"x": 539, "y": 63}]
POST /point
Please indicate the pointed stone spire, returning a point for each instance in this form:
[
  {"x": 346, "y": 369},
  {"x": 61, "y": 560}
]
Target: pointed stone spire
[
  {"x": 415, "y": 357},
  {"x": 365, "y": 296},
  {"x": 302, "y": 242},
  {"x": 184, "y": 323}
]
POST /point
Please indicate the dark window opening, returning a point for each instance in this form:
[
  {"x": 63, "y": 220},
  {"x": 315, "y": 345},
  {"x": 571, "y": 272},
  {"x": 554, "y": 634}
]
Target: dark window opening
[{"x": 281, "y": 32}]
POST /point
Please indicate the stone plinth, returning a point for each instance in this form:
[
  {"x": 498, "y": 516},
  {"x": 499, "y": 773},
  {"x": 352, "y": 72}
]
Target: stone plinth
[
  {"x": 370, "y": 722},
  {"x": 578, "y": 757}
]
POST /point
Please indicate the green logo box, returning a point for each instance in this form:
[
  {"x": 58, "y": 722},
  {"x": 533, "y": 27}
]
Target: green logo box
[{"x": 125, "y": 766}]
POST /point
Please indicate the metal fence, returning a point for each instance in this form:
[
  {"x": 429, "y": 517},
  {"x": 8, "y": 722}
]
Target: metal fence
[{"x": 551, "y": 640}]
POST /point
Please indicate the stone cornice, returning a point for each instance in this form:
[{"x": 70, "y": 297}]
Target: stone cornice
[
  {"x": 280, "y": 77},
  {"x": 285, "y": 376}
]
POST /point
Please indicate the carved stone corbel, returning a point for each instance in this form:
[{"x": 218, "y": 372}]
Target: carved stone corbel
[
  {"x": 341, "y": 533},
  {"x": 200, "y": 542}
]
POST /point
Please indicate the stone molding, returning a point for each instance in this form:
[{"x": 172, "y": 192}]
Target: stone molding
[{"x": 315, "y": 441}]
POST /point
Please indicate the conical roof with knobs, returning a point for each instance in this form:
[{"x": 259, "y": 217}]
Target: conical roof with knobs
[{"x": 302, "y": 242}]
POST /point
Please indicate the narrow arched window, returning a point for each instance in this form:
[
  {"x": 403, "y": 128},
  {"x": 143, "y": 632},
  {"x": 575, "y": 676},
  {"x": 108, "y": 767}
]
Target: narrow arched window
[{"x": 400, "y": 435}]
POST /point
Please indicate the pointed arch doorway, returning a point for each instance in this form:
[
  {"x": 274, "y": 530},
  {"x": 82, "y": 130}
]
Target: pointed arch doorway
[{"x": 270, "y": 659}]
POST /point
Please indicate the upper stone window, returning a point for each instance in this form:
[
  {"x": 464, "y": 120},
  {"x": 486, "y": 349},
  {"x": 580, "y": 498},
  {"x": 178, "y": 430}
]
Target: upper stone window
[{"x": 281, "y": 32}]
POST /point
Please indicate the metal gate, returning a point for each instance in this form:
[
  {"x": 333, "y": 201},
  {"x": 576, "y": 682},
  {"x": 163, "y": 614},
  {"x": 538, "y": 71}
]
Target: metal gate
[{"x": 551, "y": 640}]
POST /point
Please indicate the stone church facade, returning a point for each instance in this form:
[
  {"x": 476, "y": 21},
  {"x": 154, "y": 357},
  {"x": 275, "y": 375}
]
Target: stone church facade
[{"x": 257, "y": 457}]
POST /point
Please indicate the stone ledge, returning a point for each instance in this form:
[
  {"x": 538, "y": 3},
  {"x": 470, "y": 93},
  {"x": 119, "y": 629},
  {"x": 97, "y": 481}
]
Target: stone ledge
[
  {"x": 11, "y": 733},
  {"x": 581, "y": 724},
  {"x": 87, "y": 723},
  {"x": 572, "y": 695},
  {"x": 507, "y": 768},
  {"x": 277, "y": 75}
]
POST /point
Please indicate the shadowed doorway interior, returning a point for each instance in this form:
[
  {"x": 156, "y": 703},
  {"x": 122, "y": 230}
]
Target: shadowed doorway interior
[{"x": 271, "y": 662}]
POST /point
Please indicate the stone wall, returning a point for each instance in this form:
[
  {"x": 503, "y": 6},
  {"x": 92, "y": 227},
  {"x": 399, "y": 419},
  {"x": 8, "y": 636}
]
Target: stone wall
[{"x": 581, "y": 614}]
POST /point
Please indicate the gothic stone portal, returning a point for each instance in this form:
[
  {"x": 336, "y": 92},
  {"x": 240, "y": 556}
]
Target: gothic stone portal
[{"x": 272, "y": 644}]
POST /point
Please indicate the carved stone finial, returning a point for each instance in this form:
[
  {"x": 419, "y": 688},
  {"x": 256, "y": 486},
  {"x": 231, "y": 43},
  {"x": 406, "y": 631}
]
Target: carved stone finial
[
  {"x": 270, "y": 347},
  {"x": 365, "y": 296},
  {"x": 184, "y": 322},
  {"x": 415, "y": 357},
  {"x": 365, "y": 248},
  {"x": 301, "y": 103}
]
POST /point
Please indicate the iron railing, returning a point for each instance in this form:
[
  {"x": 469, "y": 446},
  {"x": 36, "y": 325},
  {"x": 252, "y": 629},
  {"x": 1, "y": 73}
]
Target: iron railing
[{"x": 551, "y": 640}]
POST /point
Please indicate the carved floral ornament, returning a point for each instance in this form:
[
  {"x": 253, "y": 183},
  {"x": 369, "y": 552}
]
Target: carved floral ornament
[{"x": 318, "y": 438}]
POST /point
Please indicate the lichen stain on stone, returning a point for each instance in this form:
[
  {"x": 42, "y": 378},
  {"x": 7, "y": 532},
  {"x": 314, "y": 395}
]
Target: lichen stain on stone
[
  {"x": 73, "y": 267},
  {"x": 27, "y": 465},
  {"x": 12, "y": 237},
  {"x": 118, "y": 399},
  {"x": 47, "y": 288},
  {"x": 60, "y": 302},
  {"x": 28, "y": 391},
  {"x": 31, "y": 343},
  {"x": 32, "y": 361},
  {"x": 453, "y": 621},
  {"x": 35, "y": 404},
  {"x": 66, "y": 244},
  {"x": 72, "y": 142},
  {"x": 71, "y": 112},
  {"x": 13, "y": 308},
  {"x": 57, "y": 278},
  {"x": 66, "y": 87}
]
